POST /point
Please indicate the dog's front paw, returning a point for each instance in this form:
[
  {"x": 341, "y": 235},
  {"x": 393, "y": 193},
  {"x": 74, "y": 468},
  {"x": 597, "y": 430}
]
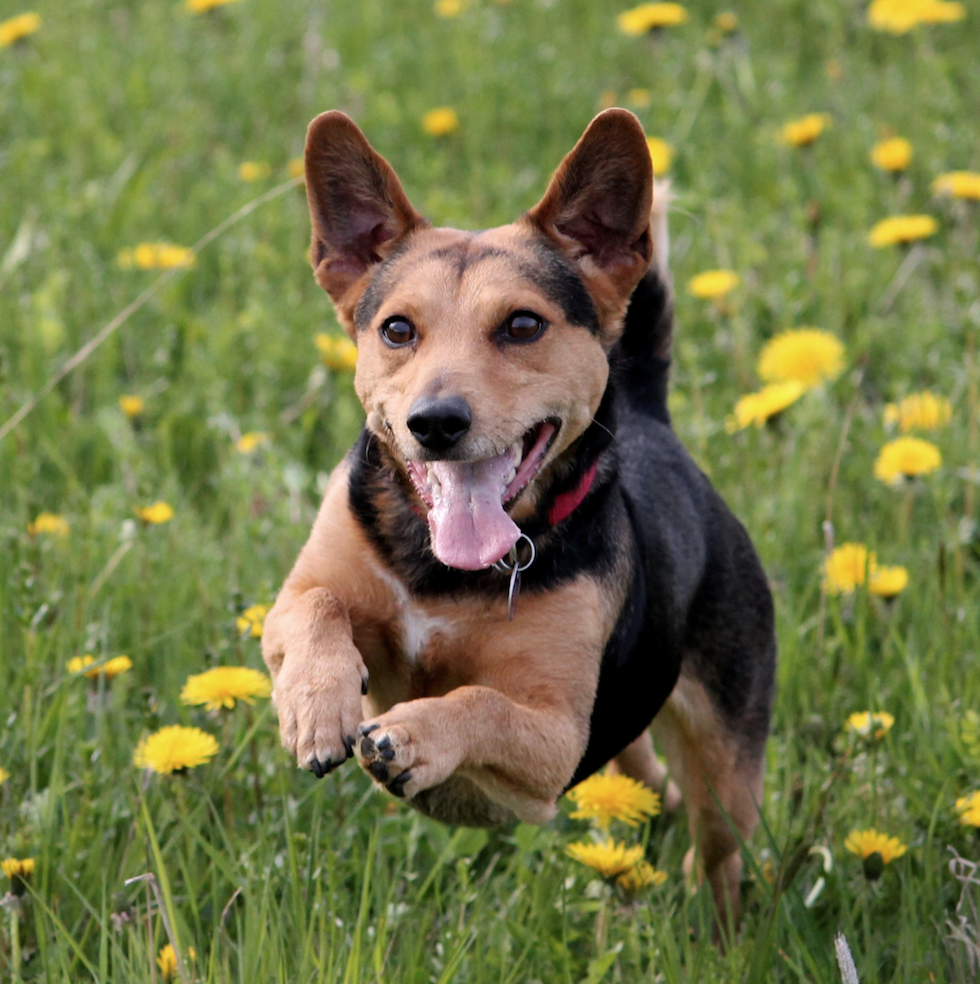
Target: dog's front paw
[
  {"x": 319, "y": 705},
  {"x": 401, "y": 752}
]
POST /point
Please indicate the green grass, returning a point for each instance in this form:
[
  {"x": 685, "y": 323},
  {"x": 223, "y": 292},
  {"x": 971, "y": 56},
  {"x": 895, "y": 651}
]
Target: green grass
[{"x": 125, "y": 122}]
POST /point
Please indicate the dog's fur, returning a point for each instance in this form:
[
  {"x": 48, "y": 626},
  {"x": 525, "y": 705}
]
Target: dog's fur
[{"x": 645, "y": 603}]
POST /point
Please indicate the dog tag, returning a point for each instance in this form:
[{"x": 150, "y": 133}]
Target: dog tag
[{"x": 512, "y": 565}]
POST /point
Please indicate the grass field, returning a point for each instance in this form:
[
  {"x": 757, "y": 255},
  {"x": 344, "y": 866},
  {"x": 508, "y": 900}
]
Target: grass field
[{"x": 126, "y": 123}]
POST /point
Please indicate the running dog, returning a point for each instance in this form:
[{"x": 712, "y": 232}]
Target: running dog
[{"x": 518, "y": 568}]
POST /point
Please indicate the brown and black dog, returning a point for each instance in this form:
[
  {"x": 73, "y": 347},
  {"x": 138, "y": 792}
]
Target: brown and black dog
[{"x": 515, "y": 386}]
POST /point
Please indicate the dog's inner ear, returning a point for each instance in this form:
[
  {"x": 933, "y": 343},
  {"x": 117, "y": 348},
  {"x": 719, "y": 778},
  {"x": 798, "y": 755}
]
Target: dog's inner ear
[
  {"x": 597, "y": 207},
  {"x": 357, "y": 205}
]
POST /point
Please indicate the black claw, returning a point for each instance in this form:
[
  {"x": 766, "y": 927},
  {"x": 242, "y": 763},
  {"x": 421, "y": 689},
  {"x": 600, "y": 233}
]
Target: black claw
[
  {"x": 397, "y": 785},
  {"x": 368, "y": 747},
  {"x": 318, "y": 768},
  {"x": 366, "y": 729},
  {"x": 349, "y": 745},
  {"x": 364, "y": 685},
  {"x": 384, "y": 743},
  {"x": 387, "y": 753},
  {"x": 379, "y": 770}
]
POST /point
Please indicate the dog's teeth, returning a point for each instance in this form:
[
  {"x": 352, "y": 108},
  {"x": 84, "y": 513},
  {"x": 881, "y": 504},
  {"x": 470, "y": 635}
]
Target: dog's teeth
[
  {"x": 511, "y": 475},
  {"x": 517, "y": 452}
]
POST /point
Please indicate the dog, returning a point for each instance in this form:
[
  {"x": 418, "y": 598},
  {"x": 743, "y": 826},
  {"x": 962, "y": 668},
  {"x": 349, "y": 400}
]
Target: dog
[{"x": 517, "y": 569}]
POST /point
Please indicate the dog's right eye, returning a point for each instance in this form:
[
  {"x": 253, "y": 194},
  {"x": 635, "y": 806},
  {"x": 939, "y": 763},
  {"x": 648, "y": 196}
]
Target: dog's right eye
[{"x": 398, "y": 331}]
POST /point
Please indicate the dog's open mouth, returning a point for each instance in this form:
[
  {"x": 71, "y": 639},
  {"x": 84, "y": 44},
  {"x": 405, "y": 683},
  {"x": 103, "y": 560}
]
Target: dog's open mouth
[{"x": 468, "y": 525}]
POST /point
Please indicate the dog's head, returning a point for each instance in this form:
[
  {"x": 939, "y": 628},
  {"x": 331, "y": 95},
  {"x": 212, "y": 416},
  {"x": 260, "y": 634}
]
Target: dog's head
[{"x": 482, "y": 356}]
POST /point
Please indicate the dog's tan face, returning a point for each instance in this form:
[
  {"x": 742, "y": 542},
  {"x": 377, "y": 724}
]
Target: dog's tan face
[{"x": 482, "y": 357}]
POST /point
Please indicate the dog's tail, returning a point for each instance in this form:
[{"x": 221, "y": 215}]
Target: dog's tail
[{"x": 648, "y": 328}]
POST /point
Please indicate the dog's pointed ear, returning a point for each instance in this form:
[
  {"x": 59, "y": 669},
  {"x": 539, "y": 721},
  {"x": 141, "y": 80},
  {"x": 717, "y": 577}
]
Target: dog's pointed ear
[
  {"x": 597, "y": 207},
  {"x": 357, "y": 205}
]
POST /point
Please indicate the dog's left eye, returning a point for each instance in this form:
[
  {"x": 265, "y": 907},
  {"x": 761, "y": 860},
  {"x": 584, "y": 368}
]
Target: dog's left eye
[
  {"x": 523, "y": 326},
  {"x": 398, "y": 331}
]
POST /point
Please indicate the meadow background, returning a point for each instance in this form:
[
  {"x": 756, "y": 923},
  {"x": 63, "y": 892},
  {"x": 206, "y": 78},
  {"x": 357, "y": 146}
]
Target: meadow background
[{"x": 128, "y": 122}]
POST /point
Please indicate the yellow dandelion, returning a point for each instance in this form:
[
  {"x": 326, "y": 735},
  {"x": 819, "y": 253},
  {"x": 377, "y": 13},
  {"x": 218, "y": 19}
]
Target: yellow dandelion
[
  {"x": 958, "y": 184},
  {"x": 159, "y": 512},
  {"x": 19, "y": 871},
  {"x": 296, "y": 168},
  {"x": 253, "y": 170},
  {"x": 448, "y": 8},
  {"x": 440, "y": 122},
  {"x": 661, "y": 155},
  {"x": 808, "y": 355},
  {"x": 249, "y": 442},
  {"x": 968, "y": 807},
  {"x": 175, "y": 748},
  {"x": 804, "y": 131},
  {"x": 132, "y": 406},
  {"x": 155, "y": 256},
  {"x": 846, "y": 568},
  {"x": 87, "y": 666},
  {"x": 888, "y": 581},
  {"x": 900, "y": 16},
  {"x": 167, "y": 960},
  {"x": 643, "y": 875},
  {"x": 756, "y": 408},
  {"x": 713, "y": 284},
  {"x": 649, "y": 17},
  {"x": 48, "y": 523},
  {"x": 919, "y": 411},
  {"x": 906, "y": 457},
  {"x": 726, "y": 22},
  {"x": 875, "y": 850},
  {"x": 893, "y": 154},
  {"x": 17, "y": 28},
  {"x": 251, "y": 620},
  {"x": 899, "y": 229},
  {"x": 605, "y": 798},
  {"x": 639, "y": 98},
  {"x": 201, "y": 6},
  {"x": 4, "y": 775},
  {"x": 223, "y": 685},
  {"x": 866, "y": 723},
  {"x": 338, "y": 353},
  {"x": 608, "y": 857}
]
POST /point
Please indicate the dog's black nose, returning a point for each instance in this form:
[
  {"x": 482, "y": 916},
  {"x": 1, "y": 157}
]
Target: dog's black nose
[{"x": 438, "y": 423}]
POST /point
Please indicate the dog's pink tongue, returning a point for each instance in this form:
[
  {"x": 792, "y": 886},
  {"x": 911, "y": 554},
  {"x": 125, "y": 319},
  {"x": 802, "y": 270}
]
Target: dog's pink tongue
[{"x": 468, "y": 527}]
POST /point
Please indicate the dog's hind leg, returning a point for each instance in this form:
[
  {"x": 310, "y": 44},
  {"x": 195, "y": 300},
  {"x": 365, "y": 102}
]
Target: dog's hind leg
[
  {"x": 720, "y": 779},
  {"x": 639, "y": 761}
]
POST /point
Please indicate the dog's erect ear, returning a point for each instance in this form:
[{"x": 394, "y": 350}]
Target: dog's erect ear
[
  {"x": 357, "y": 204},
  {"x": 597, "y": 207}
]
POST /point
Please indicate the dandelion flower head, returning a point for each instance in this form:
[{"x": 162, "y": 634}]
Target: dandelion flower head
[
  {"x": 846, "y": 568},
  {"x": 155, "y": 256},
  {"x": 610, "y": 858},
  {"x": 251, "y": 620},
  {"x": 21, "y": 868},
  {"x": 805, "y": 130},
  {"x": 712, "y": 284},
  {"x": 968, "y": 807},
  {"x": 338, "y": 353},
  {"x": 726, "y": 21},
  {"x": 17, "y": 28},
  {"x": 202, "y": 6},
  {"x": 864, "y": 843},
  {"x": 919, "y": 411},
  {"x": 49, "y": 523},
  {"x": 249, "y": 442},
  {"x": 448, "y": 8},
  {"x": 900, "y": 16},
  {"x": 639, "y": 98},
  {"x": 893, "y": 154},
  {"x": 296, "y": 167},
  {"x": 808, "y": 355},
  {"x": 250, "y": 171},
  {"x": 756, "y": 408},
  {"x": 887, "y": 581},
  {"x": 167, "y": 960},
  {"x": 958, "y": 184},
  {"x": 661, "y": 155},
  {"x": 87, "y": 666},
  {"x": 906, "y": 457},
  {"x": 643, "y": 875},
  {"x": 899, "y": 229},
  {"x": 440, "y": 122},
  {"x": 223, "y": 685},
  {"x": 605, "y": 798},
  {"x": 4, "y": 775},
  {"x": 866, "y": 723},
  {"x": 159, "y": 512},
  {"x": 650, "y": 16},
  {"x": 175, "y": 748},
  {"x": 131, "y": 405}
]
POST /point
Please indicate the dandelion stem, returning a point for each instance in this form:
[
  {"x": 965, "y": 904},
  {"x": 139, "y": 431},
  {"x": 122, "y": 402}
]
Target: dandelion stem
[{"x": 15, "y": 958}]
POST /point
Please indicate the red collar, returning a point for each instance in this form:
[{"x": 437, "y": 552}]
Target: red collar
[{"x": 566, "y": 503}]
